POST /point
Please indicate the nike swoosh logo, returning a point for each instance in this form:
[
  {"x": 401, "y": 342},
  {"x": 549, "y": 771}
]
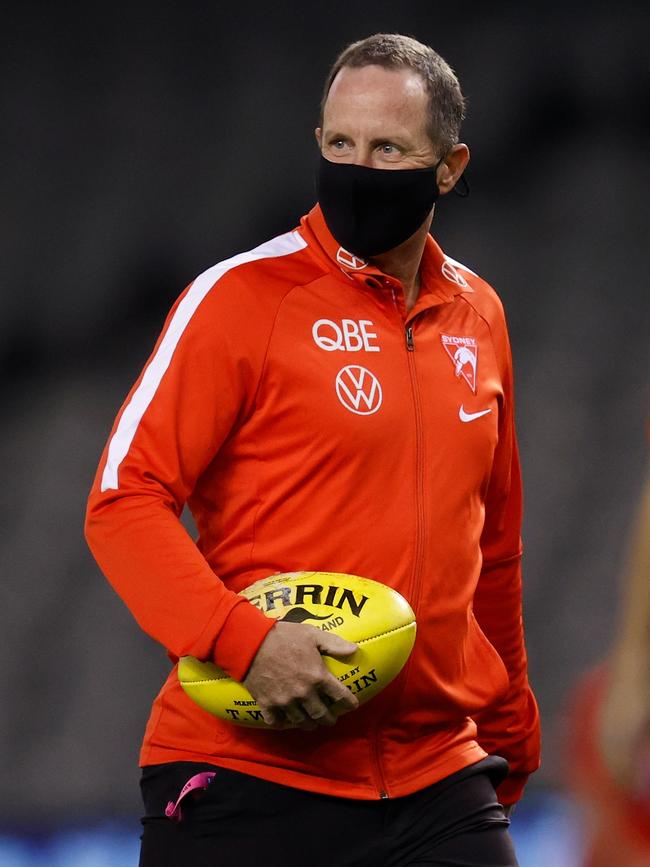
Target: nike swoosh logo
[{"x": 471, "y": 416}]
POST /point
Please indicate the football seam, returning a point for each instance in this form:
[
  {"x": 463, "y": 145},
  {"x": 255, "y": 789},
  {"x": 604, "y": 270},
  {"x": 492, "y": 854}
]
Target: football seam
[{"x": 361, "y": 641}]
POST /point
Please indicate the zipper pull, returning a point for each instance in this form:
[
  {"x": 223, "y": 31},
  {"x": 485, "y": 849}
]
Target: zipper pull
[{"x": 410, "y": 345}]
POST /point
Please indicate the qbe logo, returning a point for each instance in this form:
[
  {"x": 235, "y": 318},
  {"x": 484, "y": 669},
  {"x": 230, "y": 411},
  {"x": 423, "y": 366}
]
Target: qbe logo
[
  {"x": 348, "y": 335},
  {"x": 358, "y": 390}
]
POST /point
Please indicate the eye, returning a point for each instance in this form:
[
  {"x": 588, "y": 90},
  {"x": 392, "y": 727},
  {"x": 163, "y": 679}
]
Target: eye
[
  {"x": 388, "y": 149},
  {"x": 338, "y": 144}
]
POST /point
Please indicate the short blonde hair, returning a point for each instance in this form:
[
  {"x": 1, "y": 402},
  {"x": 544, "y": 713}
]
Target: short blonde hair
[{"x": 394, "y": 51}]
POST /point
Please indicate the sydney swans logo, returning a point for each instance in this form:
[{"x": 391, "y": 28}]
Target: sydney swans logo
[
  {"x": 358, "y": 390},
  {"x": 463, "y": 352}
]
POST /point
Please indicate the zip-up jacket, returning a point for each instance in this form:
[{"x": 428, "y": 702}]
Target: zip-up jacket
[{"x": 310, "y": 422}]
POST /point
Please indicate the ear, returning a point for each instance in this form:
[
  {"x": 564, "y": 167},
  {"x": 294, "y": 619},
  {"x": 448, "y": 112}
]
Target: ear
[
  {"x": 452, "y": 167},
  {"x": 318, "y": 132}
]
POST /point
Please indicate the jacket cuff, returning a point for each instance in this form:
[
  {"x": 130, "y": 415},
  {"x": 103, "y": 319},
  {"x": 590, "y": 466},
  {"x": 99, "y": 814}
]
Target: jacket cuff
[
  {"x": 511, "y": 789},
  {"x": 240, "y": 637}
]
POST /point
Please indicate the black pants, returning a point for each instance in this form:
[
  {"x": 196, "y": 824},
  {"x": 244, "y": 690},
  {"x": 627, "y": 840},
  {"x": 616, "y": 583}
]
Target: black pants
[{"x": 244, "y": 821}]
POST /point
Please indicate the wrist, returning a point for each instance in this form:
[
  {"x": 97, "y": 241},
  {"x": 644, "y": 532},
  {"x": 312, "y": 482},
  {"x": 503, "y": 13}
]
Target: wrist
[{"x": 240, "y": 638}]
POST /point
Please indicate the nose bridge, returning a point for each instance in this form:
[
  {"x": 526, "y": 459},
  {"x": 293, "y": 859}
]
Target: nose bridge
[{"x": 362, "y": 152}]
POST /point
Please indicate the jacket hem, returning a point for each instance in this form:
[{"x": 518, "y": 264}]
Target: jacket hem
[{"x": 461, "y": 758}]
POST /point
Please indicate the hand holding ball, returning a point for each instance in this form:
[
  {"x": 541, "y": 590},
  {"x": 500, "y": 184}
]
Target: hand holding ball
[
  {"x": 291, "y": 682},
  {"x": 304, "y": 677}
]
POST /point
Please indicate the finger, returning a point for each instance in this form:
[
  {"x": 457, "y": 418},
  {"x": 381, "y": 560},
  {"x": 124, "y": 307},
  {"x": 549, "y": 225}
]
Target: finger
[
  {"x": 333, "y": 645},
  {"x": 294, "y": 713},
  {"x": 318, "y": 711},
  {"x": 338, "y": 708},
  {"x": 339, "y": 694}
]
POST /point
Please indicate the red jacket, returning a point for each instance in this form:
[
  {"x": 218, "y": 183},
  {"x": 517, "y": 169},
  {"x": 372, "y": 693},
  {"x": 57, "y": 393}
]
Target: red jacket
[{"x": 310, "y": 422}]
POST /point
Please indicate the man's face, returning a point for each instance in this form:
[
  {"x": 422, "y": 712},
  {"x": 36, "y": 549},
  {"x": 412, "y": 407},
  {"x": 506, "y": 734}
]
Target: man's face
[{"x": 377, "y": 117}]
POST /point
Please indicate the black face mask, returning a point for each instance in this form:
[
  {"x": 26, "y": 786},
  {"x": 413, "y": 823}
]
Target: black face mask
[{"x": 370, "y": 211}]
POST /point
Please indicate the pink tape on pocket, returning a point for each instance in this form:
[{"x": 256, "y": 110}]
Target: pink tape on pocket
[{"x": 197, "y": 783}]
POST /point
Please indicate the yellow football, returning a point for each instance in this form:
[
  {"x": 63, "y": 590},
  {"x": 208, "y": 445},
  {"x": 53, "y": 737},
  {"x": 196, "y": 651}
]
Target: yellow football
[{"x": 369, "y": 613}]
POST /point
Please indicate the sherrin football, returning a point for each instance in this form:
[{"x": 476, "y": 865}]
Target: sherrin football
[{"x": 368, "y": 613}]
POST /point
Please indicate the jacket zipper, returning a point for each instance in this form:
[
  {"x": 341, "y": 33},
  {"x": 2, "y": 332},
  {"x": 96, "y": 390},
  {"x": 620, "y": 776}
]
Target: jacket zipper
[
  {"x": 420, "y": 516},
  {"x": 419, "y": 527},
  {"x": 419, "y": 472},
  {"x": 383, "y": 794}
]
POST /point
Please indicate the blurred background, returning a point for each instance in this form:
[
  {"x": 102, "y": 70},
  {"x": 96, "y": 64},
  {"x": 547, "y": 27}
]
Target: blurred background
[{"x": 141, "y": 143}]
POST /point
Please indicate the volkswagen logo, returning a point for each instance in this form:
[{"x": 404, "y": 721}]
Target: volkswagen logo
[{"x": 358, "y": 390}]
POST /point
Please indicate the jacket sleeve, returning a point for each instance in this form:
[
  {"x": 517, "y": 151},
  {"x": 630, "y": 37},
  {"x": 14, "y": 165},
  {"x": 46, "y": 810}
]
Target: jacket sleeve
[
  {"x": 197, "y": 384},
  {"x": 511, "y": 727}
]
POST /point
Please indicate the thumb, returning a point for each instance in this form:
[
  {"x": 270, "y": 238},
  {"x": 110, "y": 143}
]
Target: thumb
[{"x": 333, "y": 645}]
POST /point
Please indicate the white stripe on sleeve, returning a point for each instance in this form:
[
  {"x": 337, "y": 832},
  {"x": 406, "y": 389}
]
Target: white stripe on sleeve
[{"x": 121, "y": 440}]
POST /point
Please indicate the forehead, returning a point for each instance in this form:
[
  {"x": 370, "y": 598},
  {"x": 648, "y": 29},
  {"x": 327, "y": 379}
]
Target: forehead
[{"x": 377, "y": 95}]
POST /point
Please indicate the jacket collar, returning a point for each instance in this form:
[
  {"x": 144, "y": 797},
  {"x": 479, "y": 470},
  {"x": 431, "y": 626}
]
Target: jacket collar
[{"x": 440, "y": 280}]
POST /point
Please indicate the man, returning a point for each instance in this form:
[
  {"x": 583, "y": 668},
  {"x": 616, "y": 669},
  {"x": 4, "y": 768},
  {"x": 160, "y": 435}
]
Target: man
[{"x": 339, "y": 398}]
